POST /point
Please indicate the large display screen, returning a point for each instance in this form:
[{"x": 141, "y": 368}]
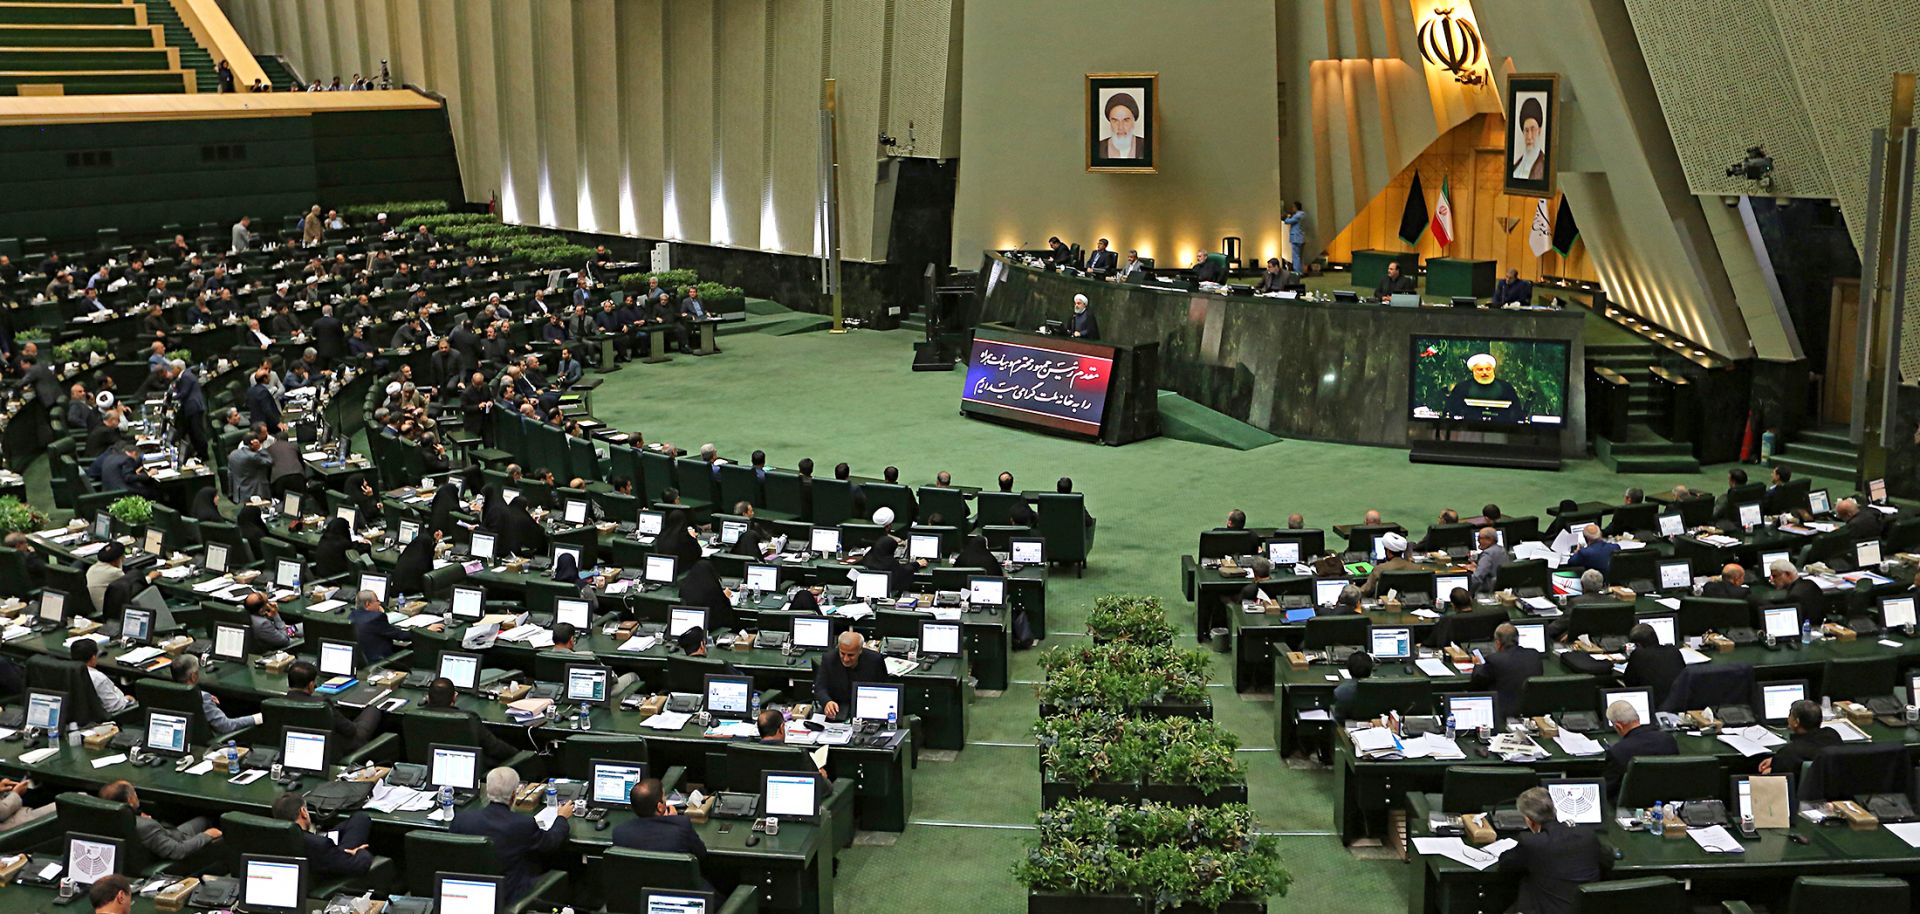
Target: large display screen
[
  {"x": 1037, "y": 380},
  {"x": 1488, "y": 381}
]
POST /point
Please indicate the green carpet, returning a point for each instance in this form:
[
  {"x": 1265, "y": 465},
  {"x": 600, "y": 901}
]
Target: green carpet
[
  {"x": 1186, "y": 420},
  {"x": 853, "y": 397}
]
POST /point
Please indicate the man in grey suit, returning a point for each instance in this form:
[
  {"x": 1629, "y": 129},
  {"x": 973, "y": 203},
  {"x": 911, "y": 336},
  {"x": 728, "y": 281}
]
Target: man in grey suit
[
  {"x": 160, "y": 839},
  {"x": 288, "y": 472},
  {"x": 249, "y": 469},
  {"x": 1492, "y": 556},
  {"x": 243, "y": 235}
]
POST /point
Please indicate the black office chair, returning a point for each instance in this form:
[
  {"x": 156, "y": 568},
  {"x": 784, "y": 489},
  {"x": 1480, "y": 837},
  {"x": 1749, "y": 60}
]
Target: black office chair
[
  {"x": 551, "y": 665},
  {"x": 1653, "y": 778},
  {"x": 1848, "y": 771},
  {"x": 1636, "y": 568},
  {"x": 689, "y": 674},
  {"x": 86, "y": 814},
  {"x": 1635, "y": 518},
  {"x": 1860, "y": 678},
  {"x": 946, "y": 502},
  {"x": 1441, "y": 537},
  {"x": 1556, "y": 694},
  {"x": 1647, "y": 895},
  {"x": 896, "y": 623},
  {"x": 429, "y": 852},
  {"x": 1374, "y": 697},
  {"x": 277, "y": 714},
  {"x": 1518, "y": 529},
  {"x": 1711, "y": 685},
  {"x": 1474, "y": 788},
  {"x": 70, "y": 679},
  {"x": 1407, "y": 583},
  {"x": 618, "y": 875},
  {"x": 1327, "y": 631},
  {"x": 162, "y": 695}
]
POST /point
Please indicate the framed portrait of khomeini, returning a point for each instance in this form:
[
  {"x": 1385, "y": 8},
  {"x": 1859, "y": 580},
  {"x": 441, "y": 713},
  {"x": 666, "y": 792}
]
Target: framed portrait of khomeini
[
  {"x": 1532, "y": 116},
  {"x": 1123, "y": 121}
]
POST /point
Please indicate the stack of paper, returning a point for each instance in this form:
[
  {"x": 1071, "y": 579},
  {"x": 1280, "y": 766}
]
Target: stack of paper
[
  {"x": 1752, "y": 741},
  {"x": 1578, "y": 744},
  {"x": 1433, "y": 746},
  {"x": 1457, "y": 850},
  {"x": 639, "y": 643},
  {"x": 667, "y": 720},
  {"x": 732, "y": 729},
  {"x": 1848, "y": 732},
  {"x": 1433, "y": 666},
  {"x": 417, "y": 621},
  {"x": 1715, "y": 839},
  {"x": 390, "y": 798},
  {"x": 898, "y": 667},
  {"x": 1374, "y": 740}
]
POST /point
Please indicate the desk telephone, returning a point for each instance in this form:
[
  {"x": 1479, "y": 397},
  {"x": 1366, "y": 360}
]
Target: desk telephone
[
  {"x": 1887, "y": 807},
  {"x": 767, "y": 640}
]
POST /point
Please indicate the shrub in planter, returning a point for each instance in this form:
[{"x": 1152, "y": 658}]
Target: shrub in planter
[
  {"x": 397, "y": 211},
  {"x": 131, "y": 510},
  {"x": 674, "y": 281},
  {"x": 1188, "y": 760},
  {"x": 1174, "y": 859},
  {"x": 1130, "y": 618},
  {"x": 181, "y": 355},
  {"x": 17, "y": 516},
  {"x": 1122, "y": 676}
]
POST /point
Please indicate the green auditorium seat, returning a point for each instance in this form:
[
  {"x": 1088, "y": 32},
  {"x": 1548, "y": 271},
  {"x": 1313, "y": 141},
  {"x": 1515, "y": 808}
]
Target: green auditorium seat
[
  {"x": 247, "y": 833},
  {"x": 1647, "y": 895},
  {"x": 618, "y": 875},
  {"x": 428, "y": 853},
  {"x": 420, "y": 728},
  {"x": 1474, "y": 788},
  {"x": 1067, "y": 527},
  {"x": 1650, "y": 779}
]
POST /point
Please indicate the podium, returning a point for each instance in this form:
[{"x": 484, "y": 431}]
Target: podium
[{"x": 1447, "y": 277}]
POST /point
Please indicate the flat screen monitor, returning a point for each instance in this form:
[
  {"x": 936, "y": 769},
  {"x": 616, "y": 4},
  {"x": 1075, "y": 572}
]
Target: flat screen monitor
[
  {"x": 871, "y": 586},
  {"x": 102, "y": 526},
  {"x": 287, "y": 573},
  {"x": 1483, "y": 381},
  {"x": 1379, "y": 549},
  {"x": 462, "y": 669},
  {"x": 1578, "y": 801},
  {"x": 1283, "y": 553},
  {"x": 408, "y": 530},
  {"x": 1533, "y": 635},
  {"x": 1768, "y": 558},
  {"x": 575, "y": 512},
  {"x": 1672, "y": 524},
  {"x": 167, "y": 732},
  {"x": 923, "y": 546},
  {"x": 1640, "y": 699},
  {"x": 790, "y": 794},
  {"x": 457, "y": 767},
  {"x": 587, "y": 683},
  {"x": 648, "y": 523},
  {"x": 469, "y": 602},
  {"x": 577, "y": 613},
  {"x": 1750, "y": 516},
  {"x": 53, "y": 606},
  {"x": 1028, "y": 550},
  {"x": 729, "y": 697},
  {"x": 1663, "y": 627},
  {"x": 137, "y": 624},
  {"x": 812, "y": 632},
  {"x": 730, "y": 531},
  {"x": 1445, "y": 584},
  {"x": 1876, "y": 490},
  {"x": 763, "y": 578},
  {"x": 481, "y": 546},
  {"x": 940, "y": 638},
  {"x": 1781, "y": 621},
  {"x": 336, "y": 657},
  {"x": 304, "y": 750},
  {"x": 1060, "y": 384},
  {"x": 1472, "y": 710},
  {"x": 1326, "y": 591},
  {"x": 349, "y": 515},
  {"x": 1676, "y": 575},
  {"x": 986, "y": 591},
  {"x": 1896, "y": 611},
  {"x": 230, "y": 642},
  {"x": 1867, "y": 554},
  {"x": 46, "y": 710},
  {"x": 1391, "y": 643},
  {"x": 217, "y": 558},
  {"x": 273, "y": 885},
  {"x": 376, "y": 583},
  {"x": 154, "y": 542},
  {"x": 681, "y": 618},
  {"x": 824, "y": 540},
  {"x": 460, "y": 894},
  {"x": 677, "y": 901},
  {"x": 1777, "y": 697},
  {"x": 876, "y": 701},
  {"x": 659, "y": 569},
  {"x": 1818, "y": 502},
  {"x": 290, "y": 504},
  {"x": 612, "y": 782}
]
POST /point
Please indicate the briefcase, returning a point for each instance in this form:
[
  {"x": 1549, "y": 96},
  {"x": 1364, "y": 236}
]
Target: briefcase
[{"x": 334, "y": 798}]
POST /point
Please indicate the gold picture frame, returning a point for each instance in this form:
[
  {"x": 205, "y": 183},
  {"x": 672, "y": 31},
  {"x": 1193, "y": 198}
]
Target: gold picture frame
[{"x": 1137, "y": 98}]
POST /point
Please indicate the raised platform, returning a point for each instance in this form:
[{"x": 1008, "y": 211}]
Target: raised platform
[{"x": 1189, "y": 421}]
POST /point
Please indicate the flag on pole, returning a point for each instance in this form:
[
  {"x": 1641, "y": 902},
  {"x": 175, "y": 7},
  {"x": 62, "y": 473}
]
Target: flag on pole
[
  {"x": 1565, "y": 230},
  {"x": 1443, "y": 216},
  {"x": 1540, "y": 237},
  {"x": 1413, "y": 222}
]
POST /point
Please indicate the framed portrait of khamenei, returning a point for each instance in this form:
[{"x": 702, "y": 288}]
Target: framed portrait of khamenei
[
  {"x": 1123, "y": 122},
  {"x": 1533, "y": 113}
]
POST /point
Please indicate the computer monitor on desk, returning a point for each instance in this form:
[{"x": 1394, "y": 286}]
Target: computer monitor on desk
[
  {"x": 481, "y": 546},
  {"x": 587, "y": 683},
  {"x": 305, "y": 751},
  {"x": 273, "y": 885},
  {"x": 824, "y": 540},
  {"x": 983, "y": 590},
  {"x": 940, "y": 639},
  {"x": 230, "y": 642},
  {"x": 730, "y": 531},
  {"x": 53, "y": 609},
  {"x": 1781, "y": 622},
  {"x": 660, "y": 569},
  {"x": 871, "y": 586},
  {"x": 763, "y": 578},
  {"x": 217, "y": 558},
  {"x": 469, "y": 602},
  {"x": 46, "y": 710},
  {"x": 1471, "y": 711},
  {"x": 1283, "y": 553},
  {"x": 287, "y": 573},
  {"x": 790, "y": 795},
  {"x": 1676, "y": 574},
  {"x": 167, "y": 733},
  {"x": 336, "y": 657},
  {"x": 1027, "y": 550},
  {"x": 812, "y": 633},
  {"x": 463, "y": 670},
  {"x": 1326, "y": 591},
  {"x": 729, "y": 697},
  {"x": 577, "y": 613},
  {"x": 1776, "y": 698},
  {"x": 457, "y": 767},
  {"x": 1346, "y": 295},
  {"x": 377, "y": 583},
  {"x": 677, "y": 901},
  {"x": 1391, "y": 643},
  {"x": 647, "y": 523},
  {"x": 611, "y": 782},
  {"x": 1640, "y": 699},
  {"x": 136, "y": 624},
  {"x": 681, "y": 618},
  {"x": 457, "y": 893},
  {"x": 923, "y": 546},
  {"x": 876, "y": 701},
  {"x": 1445, "y": 584},
  {"x": 1533, "y": 635},
  {"x": 1896, "y": 612},
  {"x": 1663, "y": 626},
  {"x": 1578, "y": 801}
]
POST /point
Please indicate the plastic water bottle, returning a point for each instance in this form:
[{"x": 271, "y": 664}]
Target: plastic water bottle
[
  {"x": 755, "y": 702},
  {"x": 446, "y": 802},
  {"x": 891, "y": 719},
  {"x": 233, "y": 758},
  {"x": 586, "y": 718},
  {"x": 1450, "y": 727},
  {"x": 579, "y": 717},
  {"x": 1806, "y": 632},
  {"x": 1656, "y": 824},
  {"x": 553, "y": 797}
]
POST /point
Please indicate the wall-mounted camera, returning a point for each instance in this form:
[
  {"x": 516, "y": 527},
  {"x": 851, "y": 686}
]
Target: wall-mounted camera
[{"x": 1757, "y": 167}]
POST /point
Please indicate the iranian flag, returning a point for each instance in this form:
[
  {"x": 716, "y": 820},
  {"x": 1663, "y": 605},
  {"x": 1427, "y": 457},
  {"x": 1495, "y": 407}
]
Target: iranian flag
[{"x": 1443, "y": 217}]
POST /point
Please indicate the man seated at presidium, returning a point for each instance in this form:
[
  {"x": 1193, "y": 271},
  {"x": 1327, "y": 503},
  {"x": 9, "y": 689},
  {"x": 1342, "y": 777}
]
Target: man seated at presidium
[
  {"x": 1512, "y": 290},
  {"x": 1484, "y": 397},
  {"x": 1394, "y": 283}
]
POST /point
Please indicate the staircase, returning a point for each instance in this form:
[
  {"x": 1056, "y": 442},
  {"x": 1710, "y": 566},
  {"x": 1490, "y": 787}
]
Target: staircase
[
  {"x": 280, "y": 74},
  {"x": 1641, "y": 449},
  {"x": 1824, "y": 452},
  {"x": 193, "y": 57}
]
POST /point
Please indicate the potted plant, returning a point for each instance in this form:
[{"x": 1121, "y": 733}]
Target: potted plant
[
  {"x": 1194, "y": 763},
  {"x": 130, "y": 513},
  {"x": 1092, "y": 856},
  {"x": 1130, "y": 618},
  {"x": 1162, "y": 680},
  {"x": 17, "y": 516},
  {"x": 1092, "y": 754}
]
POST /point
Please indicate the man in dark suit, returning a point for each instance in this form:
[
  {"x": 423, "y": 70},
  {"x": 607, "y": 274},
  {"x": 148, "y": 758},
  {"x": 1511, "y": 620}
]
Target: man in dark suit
[
  {"x": 1512, "y": 290},
  {"x": 834, "y": 679},
  {"x": 1775, "y": 499},
  {"x": 189, "y": 406},
  {"x": 1082, "y": 326},
  {"x": 1597, "y": 554},
  {"x": 327, "y": 858},
  {"x": 1207, "y": 269},
  {"x": 373, "y": 633},
  {"x": 1799, "y": 591},
  {"x": 1861, "y": 524},
  {"x": 1551, "y": 859},
  {"x": 1394, "y": 283},
  {"x": 261, "y": 404},
  {"x": 1732, "y": 584},
  {"x": 354, "y": 732},
  {"x": 518, "y": 841},
  {"x": 1506, "y": 671},
  {"x": 329, "y": 335},
  {"x": 657, "y": 826},
  {"x": 121, "y": 471},
  {"x": 1276, "y": 278},
  {"x": 493, "y": 749},
  {"x": 1101, "y": 261},
  {"x": 1652, "y": 664},
  {"x": 1805, "y": 738},
  {"x": 1636, "y": 739},
  {"x": 38, "y": 379},
  {"x": 1134, "y": 269},
  {"x": 1059, "y": 252}
]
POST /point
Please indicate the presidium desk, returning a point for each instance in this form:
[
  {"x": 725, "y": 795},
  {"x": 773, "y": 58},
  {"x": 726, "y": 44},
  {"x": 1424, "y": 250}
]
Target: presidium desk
[{"x": 1324, "y": 370}]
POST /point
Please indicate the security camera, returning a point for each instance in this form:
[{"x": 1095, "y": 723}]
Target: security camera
[{"x": 1757, "y": 166}]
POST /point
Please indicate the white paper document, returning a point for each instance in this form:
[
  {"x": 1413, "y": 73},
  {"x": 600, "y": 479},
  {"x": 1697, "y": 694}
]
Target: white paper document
[
  {"x": 1715, "y": 839},
  {"x": 638, "y": 644},
  {"x": 1458, "y": 851},
  {"x": 1578, "y": 744},
  {"x": 1373, "y": 739},
  {"x": 667, "y": 720},
  {"x": 1906, "y": 831},
  {"x": 1433, "y": 666}
]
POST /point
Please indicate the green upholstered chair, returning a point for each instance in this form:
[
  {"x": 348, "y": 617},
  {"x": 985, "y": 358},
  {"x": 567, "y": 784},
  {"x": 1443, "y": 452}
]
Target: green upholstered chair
[
  {"x": 1817, "y": 894},
  {"x": 426, "y": 853},
  {"x": 421, "y": 728},
  {"x": 1067, "y": 527},
  {"x": 1373, "y": 697},
  {"x": 247, "y": 833},
  {"x": 277, "y": 714},
  {"x": 1474, "y": 788},
  {"x": 1555, "y": 694},
  {"x": 783, "y": 493},
  {"x": 180, "y": 698},
  {"x": 1647, "y": 895},
  {"x": 1651, "y": 779},
  {"x": 946, "y": 502},
  {"x": 616, "y": 877}
]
